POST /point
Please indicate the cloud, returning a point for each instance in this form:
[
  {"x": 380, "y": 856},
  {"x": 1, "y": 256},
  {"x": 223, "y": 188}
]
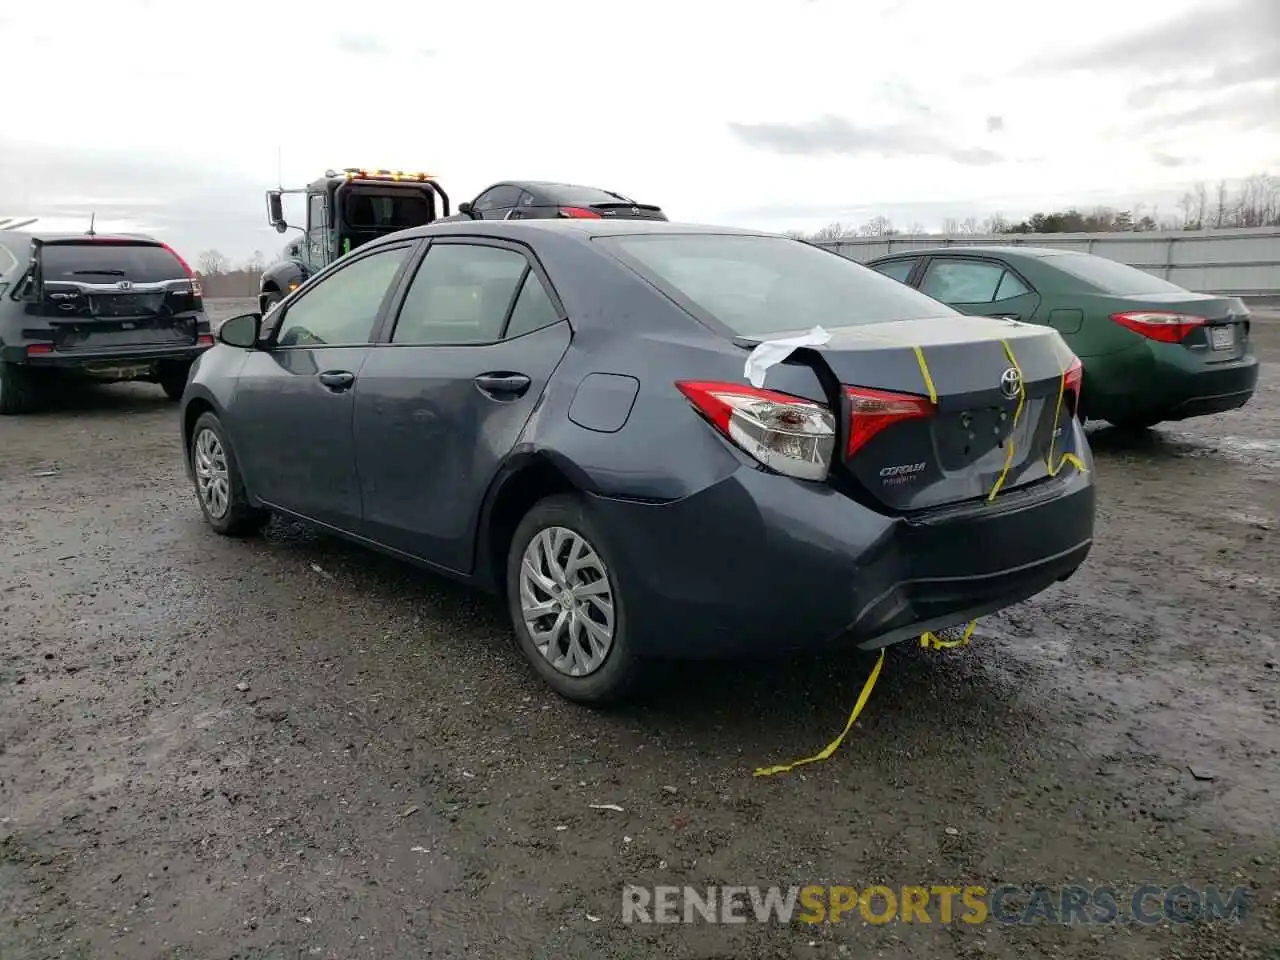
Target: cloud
[
  {"x": 830, "y": 135},
  {"x": 1247, "y": 109},
  {"x": 361, "y": 45},
  {"x": 1210, "y": 48},
  {"x": 1167, "y": 159},
  {"x": 995, "y": 124},
  {"x": 191, "y": 208}
]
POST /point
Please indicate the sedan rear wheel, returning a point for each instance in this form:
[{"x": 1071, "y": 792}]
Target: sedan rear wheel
[{"x": 566, "y": 603}]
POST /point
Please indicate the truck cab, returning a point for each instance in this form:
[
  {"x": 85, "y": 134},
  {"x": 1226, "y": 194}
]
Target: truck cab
[{"x": 345, "y": 210}]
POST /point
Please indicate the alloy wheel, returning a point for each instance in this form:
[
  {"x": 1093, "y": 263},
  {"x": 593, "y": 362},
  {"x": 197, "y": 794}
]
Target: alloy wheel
[
  {"x": 566, "y": 598},
  {"x": 213, "y": 481}
]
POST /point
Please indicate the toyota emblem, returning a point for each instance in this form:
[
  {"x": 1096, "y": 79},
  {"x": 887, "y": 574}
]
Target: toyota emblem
[{"x": 1011, "y": 383}]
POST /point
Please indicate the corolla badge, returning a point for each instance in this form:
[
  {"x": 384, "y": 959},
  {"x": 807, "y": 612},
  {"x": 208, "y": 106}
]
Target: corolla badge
[{"x": 1011, "y": 383}]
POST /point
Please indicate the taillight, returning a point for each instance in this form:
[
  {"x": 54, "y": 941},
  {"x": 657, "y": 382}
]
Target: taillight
[
  {"x": 1159, "y": 324},
  {"x": 37, "y": 349},
  {"x": 1073, "y": 383},
  {"x": 788, "y": 434},
  {"x": 579, "y": 213},
  {"x": 196, "y": 289},
  {"x": 204, "y": 340},
  {"x": 870, "y": 411}
]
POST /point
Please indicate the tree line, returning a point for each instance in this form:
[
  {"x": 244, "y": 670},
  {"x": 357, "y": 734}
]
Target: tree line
[{"x": 1251, "y": 202}]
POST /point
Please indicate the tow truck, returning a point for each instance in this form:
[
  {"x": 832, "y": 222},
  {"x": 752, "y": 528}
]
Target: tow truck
[{"x": 345, "y": 209}]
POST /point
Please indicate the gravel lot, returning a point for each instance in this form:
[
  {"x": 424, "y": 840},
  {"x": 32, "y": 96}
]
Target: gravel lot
[{"x": 290, "y": 747}]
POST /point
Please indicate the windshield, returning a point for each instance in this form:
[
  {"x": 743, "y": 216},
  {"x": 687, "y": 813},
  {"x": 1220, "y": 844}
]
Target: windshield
[
  {"x": 1110, "y": 276},
  {"x": 102, "y": 262},
  {"x": 756, "y": 285}
]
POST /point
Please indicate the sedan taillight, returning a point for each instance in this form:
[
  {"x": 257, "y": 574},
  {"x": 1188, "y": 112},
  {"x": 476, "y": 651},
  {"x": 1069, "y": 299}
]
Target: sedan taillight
[
  {"x": 579, "y": 213},
  {"x": 788, "y": 434},
  {"x": 1159, "y": 325}
]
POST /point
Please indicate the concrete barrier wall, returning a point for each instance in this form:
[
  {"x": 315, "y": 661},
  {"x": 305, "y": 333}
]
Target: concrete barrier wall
[{"x": 1241, "y": 262}]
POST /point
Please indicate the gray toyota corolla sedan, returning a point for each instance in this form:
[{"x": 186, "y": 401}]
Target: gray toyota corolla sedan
[{"x": 560, "y": 411}]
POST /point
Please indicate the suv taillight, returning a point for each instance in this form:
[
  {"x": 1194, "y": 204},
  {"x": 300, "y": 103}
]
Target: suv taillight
[
  {"x": 870, "y": 411},
  {"x": 196, "y": 289},
  {"x": 788, "y": 434},
  {"x": 1159, "y": 325}
]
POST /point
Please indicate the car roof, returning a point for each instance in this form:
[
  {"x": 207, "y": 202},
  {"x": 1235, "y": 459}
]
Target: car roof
[
  {"x": 582, "y": 229},
  {"x": 977, "y": 250},
  {"x": 26, "y": 236}
]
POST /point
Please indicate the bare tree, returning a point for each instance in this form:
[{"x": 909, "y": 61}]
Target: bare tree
[
  {"x": 876, "y": 227},
  {"x": 256, "y": 262},
  {"x": 996, "y": 223},
  {"x": 1220, "y": 214},
  {"x": 970, "y": 226},
  {"x": 916, "y": 229},
  {"x": 212, "y": 263},
  {"x": 831, "y": 232},
  {"x": 950, "y": 227}
]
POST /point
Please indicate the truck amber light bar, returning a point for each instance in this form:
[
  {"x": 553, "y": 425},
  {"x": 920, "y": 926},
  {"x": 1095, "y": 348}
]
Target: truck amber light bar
[{"x": 396, "y": 176}]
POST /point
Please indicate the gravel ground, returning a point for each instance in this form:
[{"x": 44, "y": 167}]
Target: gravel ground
[{"x": 289, "y": 747}]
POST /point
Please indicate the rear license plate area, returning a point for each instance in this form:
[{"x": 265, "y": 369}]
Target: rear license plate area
[
  {"x": 1222, "y": 337},
  {"x": 968, "y": 435},
  {"x": 127, "y": 304}
]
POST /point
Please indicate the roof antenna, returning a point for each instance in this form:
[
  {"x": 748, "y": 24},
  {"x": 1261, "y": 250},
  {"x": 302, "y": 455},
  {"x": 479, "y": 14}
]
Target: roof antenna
[{"x": 92, "y": 217}]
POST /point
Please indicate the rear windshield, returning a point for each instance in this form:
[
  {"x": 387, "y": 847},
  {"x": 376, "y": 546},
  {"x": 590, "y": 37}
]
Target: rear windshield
[
  {"x": 1110, "y": 276},
  {"x": 105, "y": 262},
  {"x": 755, "y": 285},
  {"x": 566, "y": 193}
]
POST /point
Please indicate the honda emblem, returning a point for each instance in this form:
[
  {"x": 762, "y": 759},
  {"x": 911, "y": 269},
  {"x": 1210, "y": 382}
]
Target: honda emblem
[{"x": 125, "y": 285}]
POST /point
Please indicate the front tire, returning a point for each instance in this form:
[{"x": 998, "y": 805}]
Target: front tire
[
  {"x": 267, "y": 301},
  {"x": 219, "y": 485},
  {"x": 19, "y": 391},
  {"x": 567, "y": 604}
]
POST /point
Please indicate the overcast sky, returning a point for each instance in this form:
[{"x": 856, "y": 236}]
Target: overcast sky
[{"x": 166, "y": 115}]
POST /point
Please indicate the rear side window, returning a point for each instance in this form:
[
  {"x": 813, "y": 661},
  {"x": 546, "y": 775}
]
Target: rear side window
[
  {"x": 898, "y": 269},
  {"x": 533, "y": 310},
  {"x": 755, "y": 285},
  {"x": 970, "y": 281},
  {"x": 107, "y": 262},
  {"x": 1110, "y": 276}
]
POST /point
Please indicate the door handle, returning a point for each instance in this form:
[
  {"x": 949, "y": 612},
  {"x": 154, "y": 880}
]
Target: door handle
[
  {"x": 1004, "y": 316},
  {"x": 337, "y": 381},
  {"x": 503, "y": 386}
]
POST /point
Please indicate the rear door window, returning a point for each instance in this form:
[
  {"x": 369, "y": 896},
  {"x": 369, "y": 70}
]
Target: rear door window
[
  {"x": 971, "y": 281},
  {"x": 496, "y": 199},
  {"x": 755, "y": 284},
  {"x": 461, "y": 293},
  {"x": 898, "y": 269},
  {"x": 108, "y": 262}
]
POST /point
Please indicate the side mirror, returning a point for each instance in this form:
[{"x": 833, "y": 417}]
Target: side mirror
[
  {"x": 275, "y": 211},
  {"x": 465, "y": 207},
  {"x": 241, "y": 331}
]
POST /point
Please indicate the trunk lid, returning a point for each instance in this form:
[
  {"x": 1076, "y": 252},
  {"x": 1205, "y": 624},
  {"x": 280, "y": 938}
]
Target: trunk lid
[
  {"x": 116, "y": 292},
  {"x": 960, "y": 447},
  {"x": 627, "y": 211}
]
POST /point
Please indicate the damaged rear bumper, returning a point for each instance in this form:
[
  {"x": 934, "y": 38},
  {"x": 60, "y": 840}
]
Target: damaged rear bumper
[{"x": 759, "y": 564}]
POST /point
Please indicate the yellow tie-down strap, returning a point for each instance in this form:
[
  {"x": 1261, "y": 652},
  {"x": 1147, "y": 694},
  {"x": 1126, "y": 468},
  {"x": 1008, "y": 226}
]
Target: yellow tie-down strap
[{"x": 930, "y": 640}]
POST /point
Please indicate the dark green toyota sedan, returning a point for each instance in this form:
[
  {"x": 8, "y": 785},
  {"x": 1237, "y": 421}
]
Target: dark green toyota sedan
[{"x": 1151, "y": 350}]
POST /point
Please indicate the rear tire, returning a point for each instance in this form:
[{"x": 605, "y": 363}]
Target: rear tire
[
  {"x": 172, "y": 378},
  {"x": 19, "y": 389},
  {"x": 1135, "y": 424},
  {"x": 267, "y": 301},
  {"x": 584, "y": 628},
  {"x": 219, "y": 485}
]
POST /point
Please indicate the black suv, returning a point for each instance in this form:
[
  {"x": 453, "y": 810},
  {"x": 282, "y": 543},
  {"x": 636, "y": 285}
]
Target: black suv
[{"x": 110, "y": 308}]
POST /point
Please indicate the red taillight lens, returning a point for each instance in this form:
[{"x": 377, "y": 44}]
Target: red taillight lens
[
  {"x": 204, "y": 340},
  {"x": 1159, "y": 324},
  {"x": 787, "y": 434},
  {"x": 196, "y": 289},
  {"x": 1073, "y": 383},
  {"x": 579, "y": 213},
  {"x": 37, "y": 349},
  {"x": 870, "y": 411}
]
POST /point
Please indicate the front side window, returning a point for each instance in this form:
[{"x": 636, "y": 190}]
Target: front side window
[
  {"x": 343, "y": 307},
  {"x": 461, "y": 294}
]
